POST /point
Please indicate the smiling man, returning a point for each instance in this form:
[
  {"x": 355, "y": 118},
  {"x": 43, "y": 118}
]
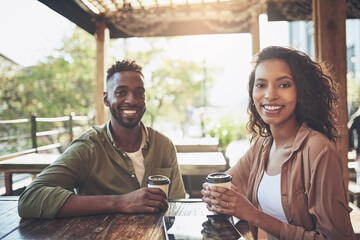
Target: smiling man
[{"x": 108, "y": 166}]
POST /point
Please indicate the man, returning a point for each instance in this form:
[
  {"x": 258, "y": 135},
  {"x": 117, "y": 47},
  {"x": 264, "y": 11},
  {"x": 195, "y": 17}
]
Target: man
[{"x": 108, "y": 166}]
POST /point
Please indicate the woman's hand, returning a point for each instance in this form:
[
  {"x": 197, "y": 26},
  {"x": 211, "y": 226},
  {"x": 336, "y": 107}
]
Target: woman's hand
[{"x": 228, "y": 201}]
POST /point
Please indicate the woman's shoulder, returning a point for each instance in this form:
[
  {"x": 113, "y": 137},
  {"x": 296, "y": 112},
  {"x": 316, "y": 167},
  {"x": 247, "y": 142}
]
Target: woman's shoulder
[
  {"x": 317, "y": 140},
  {"x": 316, "y": 145}
]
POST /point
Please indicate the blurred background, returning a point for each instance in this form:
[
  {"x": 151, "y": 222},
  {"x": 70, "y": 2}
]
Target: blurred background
[{"x": 196, "y": 86}]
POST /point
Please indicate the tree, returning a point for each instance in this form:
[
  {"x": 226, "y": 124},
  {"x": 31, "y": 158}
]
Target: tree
[
  {"x": 65, "y": 82},
  {"x": 172, "y": 85},
  {"x": 62, "y": 84}
]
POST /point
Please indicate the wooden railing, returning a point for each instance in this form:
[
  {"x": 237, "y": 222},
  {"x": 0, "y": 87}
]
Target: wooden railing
[{"x": 29, "y": 136}]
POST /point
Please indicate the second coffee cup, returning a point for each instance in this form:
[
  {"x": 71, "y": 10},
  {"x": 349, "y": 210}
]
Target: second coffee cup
[{"x": 159, "y": 181}]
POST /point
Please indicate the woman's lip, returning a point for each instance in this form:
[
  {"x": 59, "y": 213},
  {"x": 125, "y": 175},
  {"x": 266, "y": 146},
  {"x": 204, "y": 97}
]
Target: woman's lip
[{"x": 272, "y": 109}]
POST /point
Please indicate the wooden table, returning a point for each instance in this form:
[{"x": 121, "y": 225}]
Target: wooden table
[
  {"x": 106, "y": 226},
  {"x": 32, "y": 163},
  {"x": 191, "y": 163}
]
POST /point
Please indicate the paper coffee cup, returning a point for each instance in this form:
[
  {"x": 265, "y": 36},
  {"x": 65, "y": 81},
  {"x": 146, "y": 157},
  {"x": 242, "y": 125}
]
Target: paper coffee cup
[
  {"x": 220, "y": 179},
  {"x": 159, "y": 181}
]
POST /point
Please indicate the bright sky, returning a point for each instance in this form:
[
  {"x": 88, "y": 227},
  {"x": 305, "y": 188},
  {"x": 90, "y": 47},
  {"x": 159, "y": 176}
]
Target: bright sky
[{"x": 30, "y": 31}]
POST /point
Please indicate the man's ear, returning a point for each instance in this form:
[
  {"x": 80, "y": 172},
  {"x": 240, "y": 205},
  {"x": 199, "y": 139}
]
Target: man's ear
[{"x": 105, "y": 99}]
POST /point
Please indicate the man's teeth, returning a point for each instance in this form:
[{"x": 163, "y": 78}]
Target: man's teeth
[
  {"x": 129, "y": 111},
  {"x": 272, "y": 108}
]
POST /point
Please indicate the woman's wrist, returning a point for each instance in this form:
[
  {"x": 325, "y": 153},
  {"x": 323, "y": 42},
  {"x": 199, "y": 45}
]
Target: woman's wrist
[{"x": 255, "y": 218}]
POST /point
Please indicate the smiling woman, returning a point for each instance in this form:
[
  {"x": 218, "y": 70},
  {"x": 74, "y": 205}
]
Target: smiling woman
[{"x": 278, "y": 184}]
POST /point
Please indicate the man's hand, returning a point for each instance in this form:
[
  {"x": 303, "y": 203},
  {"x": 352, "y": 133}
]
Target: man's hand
[{"x": 143, "y": 200}]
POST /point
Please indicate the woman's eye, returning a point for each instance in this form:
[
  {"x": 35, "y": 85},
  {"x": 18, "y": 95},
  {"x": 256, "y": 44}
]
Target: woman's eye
[
  {"x": 285, "y": 85},
  {"x": 259, "y": 85}
]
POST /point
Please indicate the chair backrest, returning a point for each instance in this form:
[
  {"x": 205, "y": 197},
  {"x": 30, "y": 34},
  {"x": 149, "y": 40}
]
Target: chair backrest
[
  {"x": 35, "y": 134},
  {"x": 197, "y": 148}
]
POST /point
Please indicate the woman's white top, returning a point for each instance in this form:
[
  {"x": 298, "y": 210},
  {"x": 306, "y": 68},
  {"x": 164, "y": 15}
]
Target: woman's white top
[{"x": 269, "y": 196}]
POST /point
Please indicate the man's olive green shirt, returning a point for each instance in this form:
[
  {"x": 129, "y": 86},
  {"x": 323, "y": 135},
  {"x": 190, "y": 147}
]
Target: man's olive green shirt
[{"x": 92, "y": 165}]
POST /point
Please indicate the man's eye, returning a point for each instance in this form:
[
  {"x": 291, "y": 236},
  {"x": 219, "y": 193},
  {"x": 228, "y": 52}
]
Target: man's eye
[
  {"x": 120, "y": 93},
  {"x": 141, "y": 94}
]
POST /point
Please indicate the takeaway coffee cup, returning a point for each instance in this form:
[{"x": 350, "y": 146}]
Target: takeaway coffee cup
[
  {"x": 219, "y": 179},
  {"x": 159, "y": 181}
]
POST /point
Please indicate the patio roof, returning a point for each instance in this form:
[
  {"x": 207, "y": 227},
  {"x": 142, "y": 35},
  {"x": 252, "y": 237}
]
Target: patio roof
[
  {"x": 145, "y": 18},
  {"x": 301, "y": 10}
]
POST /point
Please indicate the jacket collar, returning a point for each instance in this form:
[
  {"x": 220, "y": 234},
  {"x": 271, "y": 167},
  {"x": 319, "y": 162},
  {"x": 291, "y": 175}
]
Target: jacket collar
[{"x": 301, "y": 135}]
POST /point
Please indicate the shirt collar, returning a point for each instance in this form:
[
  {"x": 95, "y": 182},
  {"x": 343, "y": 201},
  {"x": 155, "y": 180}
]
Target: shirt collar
[
  {"x": 109, "y": 134},
  {"x": 301, "y": 135}
]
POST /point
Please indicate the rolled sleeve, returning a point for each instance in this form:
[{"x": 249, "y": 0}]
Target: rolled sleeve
[
  {"x": 44, "y": 202},
  {"x": 44, "y": 197}
]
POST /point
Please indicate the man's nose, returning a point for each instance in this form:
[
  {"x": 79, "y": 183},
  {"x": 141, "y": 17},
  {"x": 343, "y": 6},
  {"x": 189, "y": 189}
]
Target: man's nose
[{"x": 130, "y": 98}]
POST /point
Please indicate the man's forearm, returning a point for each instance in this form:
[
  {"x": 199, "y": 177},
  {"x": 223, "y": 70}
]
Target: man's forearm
[
  {"x": 143, "y": 200},
  {"x": 77, "y": 205}
]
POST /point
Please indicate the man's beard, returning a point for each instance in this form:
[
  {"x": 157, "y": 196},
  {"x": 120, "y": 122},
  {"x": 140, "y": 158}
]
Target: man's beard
[{"x": 117, "y": 117}]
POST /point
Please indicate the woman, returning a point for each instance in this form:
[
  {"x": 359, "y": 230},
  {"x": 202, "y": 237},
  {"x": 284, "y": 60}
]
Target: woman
[{"x": 290, "y": 182}]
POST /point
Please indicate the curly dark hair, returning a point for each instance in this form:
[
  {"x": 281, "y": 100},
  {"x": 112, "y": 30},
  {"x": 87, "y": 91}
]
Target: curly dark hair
[
  {"x": 124, "y": 65},
  {"x": 316, "y": 93}
]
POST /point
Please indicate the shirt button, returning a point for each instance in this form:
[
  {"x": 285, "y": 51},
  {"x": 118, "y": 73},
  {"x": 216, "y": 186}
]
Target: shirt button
[
  {"x": 284, "y": 194},
  {"x": 290, "y": 220},
  {"x": 124, "y": 154},
  {"x": 285, "y": 167},
  {"x": 132, "y": 175}
]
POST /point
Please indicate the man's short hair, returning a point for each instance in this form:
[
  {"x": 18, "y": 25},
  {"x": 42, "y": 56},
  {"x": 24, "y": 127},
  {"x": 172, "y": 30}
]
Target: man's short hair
[{"x": 124, "y": 65}]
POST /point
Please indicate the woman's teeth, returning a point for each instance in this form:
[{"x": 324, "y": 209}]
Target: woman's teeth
[{"x": 272, "y": 108}]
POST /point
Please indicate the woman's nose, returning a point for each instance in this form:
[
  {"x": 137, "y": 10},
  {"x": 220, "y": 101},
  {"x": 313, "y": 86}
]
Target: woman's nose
[{"x": 270, "y": 93}]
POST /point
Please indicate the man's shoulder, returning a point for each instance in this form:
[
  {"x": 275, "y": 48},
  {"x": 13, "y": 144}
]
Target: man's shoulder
[
  {"x": 155, "y": 135},
  {"x": 92, "y": 135}
]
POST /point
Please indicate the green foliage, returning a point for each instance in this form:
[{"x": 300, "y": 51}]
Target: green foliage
[
  {"x": 172, "y": 88},
  {"x": 62, "y": 84},
  {"x": 226, "y": 129},
  {"x": 171, "y": 84},
  {"x": 56, "y": 87},
  {"x": 65, "y": 82}
]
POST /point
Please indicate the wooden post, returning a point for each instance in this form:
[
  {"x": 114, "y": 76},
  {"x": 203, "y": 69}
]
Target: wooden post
[
  {"x": 329, "y": 18},
  {"x": 71, "y": 123},
  {"x": 8, "y": 183},
  {"x": 33, "y": 132},
  {"x": 102, "y": 36},
  {"x": 255, "y": 34}
]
